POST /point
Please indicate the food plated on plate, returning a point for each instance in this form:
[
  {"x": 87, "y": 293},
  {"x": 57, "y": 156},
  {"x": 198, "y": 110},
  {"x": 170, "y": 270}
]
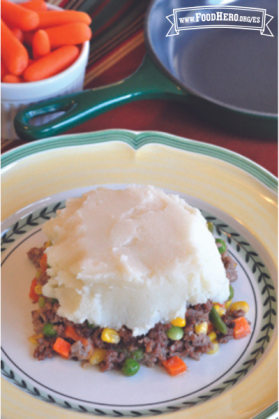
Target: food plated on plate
[{"x": 130, "y": 277}]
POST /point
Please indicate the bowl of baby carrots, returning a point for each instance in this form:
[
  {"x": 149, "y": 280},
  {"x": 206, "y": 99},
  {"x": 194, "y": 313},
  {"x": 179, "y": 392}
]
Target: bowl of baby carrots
[{"x": 44, "y": 53}]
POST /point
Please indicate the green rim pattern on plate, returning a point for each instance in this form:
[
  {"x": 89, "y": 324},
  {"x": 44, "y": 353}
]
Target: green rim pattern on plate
[{"x": 137, "y": 140}]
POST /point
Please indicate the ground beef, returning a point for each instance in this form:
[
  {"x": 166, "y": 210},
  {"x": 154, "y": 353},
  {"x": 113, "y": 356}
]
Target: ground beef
[
  {"x": 197, "y": 314},
  {"x": 44, "y": 349},
  {"x": 80, "y": 351},
  {"x": 114, "y": 359},
  {"x": 35, "y": 254},
  {"x": 37, "y": 321},
  {"x": 237, "y": 313},
  {"x": 84, "y": 329},
  {"x": 230, "y": 266},
  {"x": 43, "y": 279},
  {"x": 156, "y": 345}
]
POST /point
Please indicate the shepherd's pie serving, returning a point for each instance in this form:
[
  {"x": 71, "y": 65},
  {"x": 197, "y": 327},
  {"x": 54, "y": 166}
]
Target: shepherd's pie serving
[{"x": 132, "y": 276}]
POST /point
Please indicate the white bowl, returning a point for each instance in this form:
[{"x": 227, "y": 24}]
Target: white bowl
[{"x": 15, "y": 97}]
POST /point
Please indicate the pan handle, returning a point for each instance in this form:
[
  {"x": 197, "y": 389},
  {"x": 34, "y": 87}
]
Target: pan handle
[{"x": 146, "y": 83}]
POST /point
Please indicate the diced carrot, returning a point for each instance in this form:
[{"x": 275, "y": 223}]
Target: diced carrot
[
  {"x": 62, "y": 347},
  {"x": 11, "y": 78},
  {"x": 70, "y": 34},
  {"x": 40, "y": 44},
  {"x": 241, "y": 328},
  {"x": 18, "y": 34},
  {"x": 210, "y": 327},
  {"x": 35, "y": 5},
  {"x": 43, "y": 261},
  {"x": 32, "y": 293},
  {"x": 51, "y": 64},
  {"x": 17, "y": 16},
  {"x": 13, "y": 53},
  {"x": 175, "y": 365},
  {"x": 57, "y": 18},
  {"x": 71, "y": 333}
]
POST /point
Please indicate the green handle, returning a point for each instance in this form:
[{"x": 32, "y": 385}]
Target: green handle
[{"x": 147, "y": 83}]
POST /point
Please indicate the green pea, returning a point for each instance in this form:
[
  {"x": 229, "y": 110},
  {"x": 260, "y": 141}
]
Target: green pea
[
  {"x": 210, "y": 226},
  {"x": 130, "y": 367},
  {"x": 231, "y": 293},
  {"x": 42, "y": 301},
  {"x": 222, "y": 248},
  {"x": 217, "y": 322},
  {"x": 48, "y": 330},
  {"x": 138, "y": 354},
  {"x": 175, "y": 333}
]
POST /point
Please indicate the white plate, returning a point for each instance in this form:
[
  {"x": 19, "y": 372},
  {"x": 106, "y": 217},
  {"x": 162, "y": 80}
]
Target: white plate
[{"x": 236, "y": 203}]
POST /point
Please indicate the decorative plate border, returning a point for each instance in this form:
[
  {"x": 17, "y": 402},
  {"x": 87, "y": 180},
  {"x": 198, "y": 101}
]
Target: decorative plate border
[
  {"x": 235, "y": 240},
  {"x": 139, "y": 139}
]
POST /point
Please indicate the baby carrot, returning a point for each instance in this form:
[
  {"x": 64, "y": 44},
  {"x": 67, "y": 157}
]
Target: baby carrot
[
  {"x": 28, "y": 37},
  {"x": 51, "y": 64},
  {"x": 71, "y": 34},
  {"x": 4, "y": 70},
  {"x": 40, "y": 44},
  {"x": 58, "y": 18},
  {"x": 35, "y": 5},
  {"x": 18, "y": 34},
  {"x": 16, "y": 16},
  {"x": 11, "y": 78},
  {"x": 13, "y": 53}
]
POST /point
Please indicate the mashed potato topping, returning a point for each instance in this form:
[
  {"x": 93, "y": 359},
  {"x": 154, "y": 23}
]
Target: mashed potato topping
[{"x": 132, "y": 257}]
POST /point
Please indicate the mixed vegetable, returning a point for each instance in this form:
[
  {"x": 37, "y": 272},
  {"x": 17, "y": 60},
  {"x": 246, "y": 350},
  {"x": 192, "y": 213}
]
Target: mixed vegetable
[{"x": 215, "y": 329}]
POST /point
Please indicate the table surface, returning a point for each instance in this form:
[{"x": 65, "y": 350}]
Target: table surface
[{"x": 117, "y": 49}]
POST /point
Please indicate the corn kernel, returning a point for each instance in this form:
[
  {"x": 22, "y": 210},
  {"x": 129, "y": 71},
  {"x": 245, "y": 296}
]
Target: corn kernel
[
  {"x": 215, "y": 348},
  {"x": 110, "y": 336},
  {"x": 201, "y": 328},
  {"x": 220, "y": 310},
  {"x": 34, "y": 338},
  {"x": 212, "y": 336},
  {"x": 97, "y": 357},
  {"x": 38, "y": 289},
  {"x": 228, "y": 304},
  {"x": 48, "y": 244},
  {"x": 179, "y": 322},
  {"x": 240, "y": 305}
]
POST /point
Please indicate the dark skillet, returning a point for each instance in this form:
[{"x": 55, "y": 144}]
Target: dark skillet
[{"x": 229, "y": 76}]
